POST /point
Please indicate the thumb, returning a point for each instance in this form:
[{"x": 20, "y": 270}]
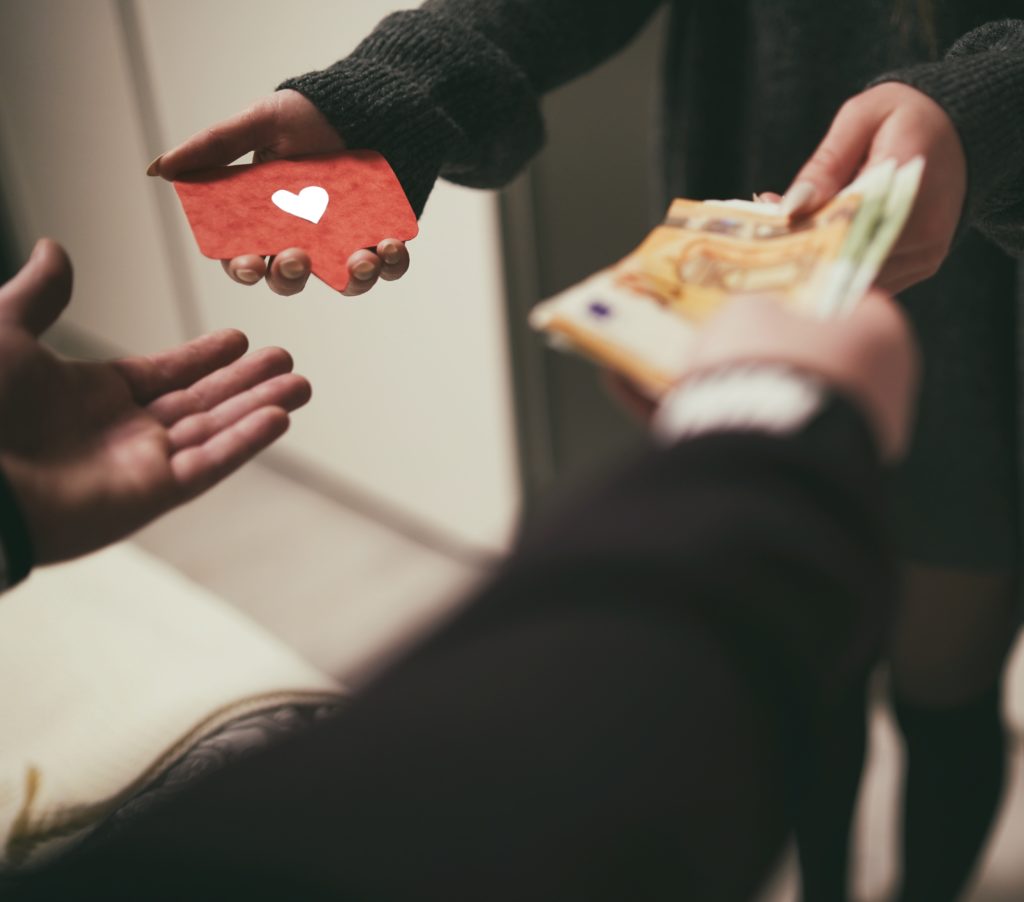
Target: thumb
[
  {"x": 835, "y": 161},
  {"x": 220, "y": 144},
  {"x": 35, "y": 297}
]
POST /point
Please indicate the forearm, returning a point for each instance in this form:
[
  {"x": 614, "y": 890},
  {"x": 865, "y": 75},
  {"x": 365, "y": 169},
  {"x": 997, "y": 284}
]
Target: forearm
[
  {"x": 452, "y": 89},
  {"x": 980, "y": 85},
  {"x": 777, "y": 540}
]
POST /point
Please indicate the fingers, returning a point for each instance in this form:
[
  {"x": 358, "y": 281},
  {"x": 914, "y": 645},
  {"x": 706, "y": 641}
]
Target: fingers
[
  {"x": 634, "y": 401},
  {"x": 220, "y": 144},
  {"x": 901, "y": 272},
  {"x": 286, "y": 275},
  {"x": 245, "y": 270},
  {"x": 220, "y": 385},
  {"x": 364, "y": 269},
  {"x": 883, "y": 370},
  {"x": 835, "y": 161},
  {"x": 282, "y": 124},
  {"x": 198, "y": 468},
  {"x": 394, "y": 258},
  {"x": 156, "y": 375},
  {"x": 289, "y": 271},
  {"x": 40, "y": 291},
  {"x": 869, "y": 356},
  {"x": 287, "y": 391}
]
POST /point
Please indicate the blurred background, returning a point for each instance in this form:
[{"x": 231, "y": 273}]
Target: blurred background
[{"x": 438, "y": 421}]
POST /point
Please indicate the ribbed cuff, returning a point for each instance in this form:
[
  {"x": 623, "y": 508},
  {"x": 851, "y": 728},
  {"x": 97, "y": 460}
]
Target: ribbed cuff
[
  {"x": 389, "y": 119},
  {"x": 435, "y": 98},
  {"x": 983, "y": 95},
  {"x": 16, "y": 554},
  {"x": 740, "y": 397}
]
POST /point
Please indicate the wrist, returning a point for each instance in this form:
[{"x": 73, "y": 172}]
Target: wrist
[
  {"x": 17, "y": 555},
  {"x": 749, "y": 396},
  {"x": 974, "y": 89}
]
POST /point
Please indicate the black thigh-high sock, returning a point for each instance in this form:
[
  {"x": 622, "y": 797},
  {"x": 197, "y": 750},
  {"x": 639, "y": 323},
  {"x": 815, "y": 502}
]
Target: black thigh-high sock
[
  {"x": 828, "y": 795},
  {"x": 956, "y": 758}
]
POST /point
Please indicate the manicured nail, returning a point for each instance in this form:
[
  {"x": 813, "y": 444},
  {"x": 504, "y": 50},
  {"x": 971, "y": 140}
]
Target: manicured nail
[
  {"x": 364, "y": 270},
  {"x": 249, "y": 276},
  {"x": 797, "y": 198},
  {"x": 154, "y": 167},
  {"x": 391, "y": 253},
  {"x": 292, "y": 269}
]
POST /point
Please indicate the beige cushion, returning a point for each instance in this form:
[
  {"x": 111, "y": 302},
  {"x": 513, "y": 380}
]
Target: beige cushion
[{"x": 112, "y": 667}]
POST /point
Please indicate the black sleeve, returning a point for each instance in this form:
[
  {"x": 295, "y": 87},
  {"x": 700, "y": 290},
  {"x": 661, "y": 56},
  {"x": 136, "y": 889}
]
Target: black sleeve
[
  {"x": 980, "y": 84},
  {"x": 780, "y": 542},
  {"x": 618, "y": 715},
  {"x": 452, "y": 88},
  {"x": 16, "y": 554}
]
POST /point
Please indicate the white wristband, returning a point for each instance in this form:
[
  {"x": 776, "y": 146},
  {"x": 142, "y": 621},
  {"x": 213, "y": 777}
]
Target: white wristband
[{"x": 759, "y": 397}]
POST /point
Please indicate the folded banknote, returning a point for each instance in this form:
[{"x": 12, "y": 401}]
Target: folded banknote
[{"x": 641, "y": 315}]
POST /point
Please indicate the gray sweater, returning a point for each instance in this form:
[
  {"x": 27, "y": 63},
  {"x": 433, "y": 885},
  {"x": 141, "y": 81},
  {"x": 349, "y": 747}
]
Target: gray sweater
[
  {"x": 452, "y": 88},
  {"x": 749, "y": 89}
]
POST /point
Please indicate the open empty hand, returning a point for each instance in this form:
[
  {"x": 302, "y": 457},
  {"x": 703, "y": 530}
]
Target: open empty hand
[
  {"x": 283, "y": 124},
  {"x": 95, "y": 450}
]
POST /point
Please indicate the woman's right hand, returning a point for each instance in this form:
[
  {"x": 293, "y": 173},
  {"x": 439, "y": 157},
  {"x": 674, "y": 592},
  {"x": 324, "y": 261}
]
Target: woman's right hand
[{"x": 282, "y": 124}]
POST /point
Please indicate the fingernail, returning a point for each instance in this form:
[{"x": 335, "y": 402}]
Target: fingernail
[
  {"x": 756, "y": 197},
  {"x": 292, "y": 269},
  {"x": 154, "y": 167},
  {"x": 797, "y": 197},
  {"x": 249, "y": 276},
  {"x": 364, "y": 270},
  {"x": 390, "y": 253}
]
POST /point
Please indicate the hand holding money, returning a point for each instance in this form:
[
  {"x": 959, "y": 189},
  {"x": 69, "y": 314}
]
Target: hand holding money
[
  {"x": 894, "y": 121},
  {"x": 283, "y": 124},
  {"x": 642, "y": 316}
]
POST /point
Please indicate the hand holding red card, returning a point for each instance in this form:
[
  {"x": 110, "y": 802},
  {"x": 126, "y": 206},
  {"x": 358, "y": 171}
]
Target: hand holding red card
[{"x": 331, "y": 205}]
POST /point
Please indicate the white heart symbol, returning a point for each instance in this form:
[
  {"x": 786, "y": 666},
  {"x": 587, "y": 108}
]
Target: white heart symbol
[{"x": 308, "y": 204}]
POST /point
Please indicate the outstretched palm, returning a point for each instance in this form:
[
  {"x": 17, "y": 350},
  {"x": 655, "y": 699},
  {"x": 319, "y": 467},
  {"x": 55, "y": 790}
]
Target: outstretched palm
[{"x": 95, "y": 450}]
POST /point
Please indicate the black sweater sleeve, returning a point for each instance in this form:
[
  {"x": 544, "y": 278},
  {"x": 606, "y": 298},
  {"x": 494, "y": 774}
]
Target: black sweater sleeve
[
  {"x": 980, "y": 84},
  {"x": 615, "y": 716},
  {"x": 452, "y": 88},
  {"x": 779, "y": 542}
]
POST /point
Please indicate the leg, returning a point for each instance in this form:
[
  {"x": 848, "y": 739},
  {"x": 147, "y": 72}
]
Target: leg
[
  {"x": 954, "y": 508},
  {"x": 956, "y": 516},
  {"x": 825, "y": 813},
  {"x": 950, "y": 639}
]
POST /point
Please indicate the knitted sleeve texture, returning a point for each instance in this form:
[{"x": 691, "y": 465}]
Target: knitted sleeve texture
[
  {"x": 452, "y": 88},
  {"x": 980, "y": 85}
]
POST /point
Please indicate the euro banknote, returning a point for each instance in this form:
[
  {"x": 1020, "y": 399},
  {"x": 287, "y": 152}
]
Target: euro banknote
[{"x": 642, "y": 314}]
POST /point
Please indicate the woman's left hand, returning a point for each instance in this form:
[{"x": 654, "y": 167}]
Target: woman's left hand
[{"x": 893, "y": 121}]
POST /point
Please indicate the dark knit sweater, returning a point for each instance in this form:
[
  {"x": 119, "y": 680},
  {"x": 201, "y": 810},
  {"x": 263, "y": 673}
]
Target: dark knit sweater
[
  {"x": 750, "y": 88},
  {"x": 452, "y": 88}
]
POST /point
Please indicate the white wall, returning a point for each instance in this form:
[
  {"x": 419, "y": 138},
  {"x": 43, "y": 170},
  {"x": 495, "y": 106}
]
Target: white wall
[
  {"x": 411, "y": 382},
  {"x": 70, "y": 147}
]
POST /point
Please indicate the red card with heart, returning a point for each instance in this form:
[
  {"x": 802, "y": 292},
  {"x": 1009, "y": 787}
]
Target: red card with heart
[{"x": 331, "y": 205}]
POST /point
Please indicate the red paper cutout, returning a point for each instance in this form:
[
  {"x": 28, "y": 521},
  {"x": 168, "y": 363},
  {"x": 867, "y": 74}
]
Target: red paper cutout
[{"x": 231, "y": 211}]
